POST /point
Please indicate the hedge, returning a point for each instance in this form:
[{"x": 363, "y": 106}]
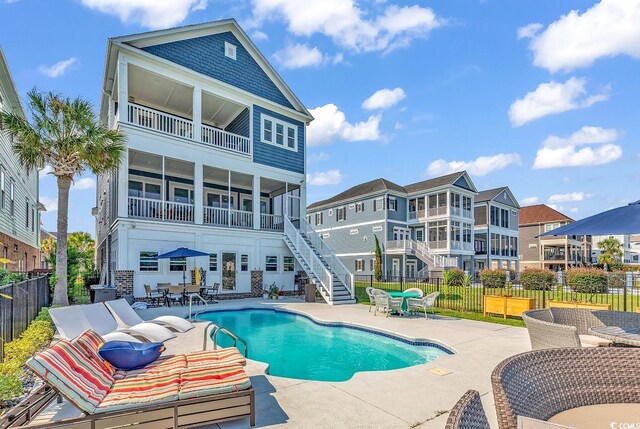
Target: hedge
[
  {"x": 16, "y": 352},
  {"x": 537, "y": 279},
  {"x": 587, "y": 280},
  {"x": 453, "y": 277},
  {"x": 493, "y": 278},
  {"x": 617, "y": 279}
]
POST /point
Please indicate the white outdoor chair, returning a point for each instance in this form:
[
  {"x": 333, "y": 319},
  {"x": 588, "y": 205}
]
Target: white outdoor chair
[
  {"x": 388, "y": 303},
  {"x": 126, "y": 317},
  {"x": 372, "y": 297},
  {"x": 72, "y": 321},
  {"x": 424, "y": 303},
  {"x": 103, "y": 322},
  {"x": 415, "y": 290}
]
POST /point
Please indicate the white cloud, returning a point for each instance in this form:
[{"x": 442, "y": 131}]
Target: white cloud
[
  {"x": 384, "y": 98},
  {"x": 609, "y": 28},
  {"x": 571, "y": 197},
  {"x": 148, "y": 13},
  {"x": 84, "y": 183},
  {"x": 529, "y": 31},
  {"x": 480, "y": 166},
  {"x": 44, "y": 173},
  {"x": 573, "y": 209},
  {"x": 564, "y": 152},
  {"x": 50, "y": 204},
  {"x": 331, "y": 124},
  {"x": 529, "y": 200},
  {"x": 317, "y": 157},
  {"x": 58, "y": 69},
  {"x": 553, "y": 97},
  {"x": 322, "y": 178},
  {"x": 348, "y": 24},
  {"x": 299, "y": 56},
  {"x": 258, "y": 36}
]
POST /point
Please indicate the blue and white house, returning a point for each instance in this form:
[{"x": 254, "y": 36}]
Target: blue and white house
[{"x": 215, "y": 162}]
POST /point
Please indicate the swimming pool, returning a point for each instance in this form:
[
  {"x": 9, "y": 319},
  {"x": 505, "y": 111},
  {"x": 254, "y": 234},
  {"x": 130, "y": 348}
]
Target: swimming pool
[{"x": 295, "y": 346}]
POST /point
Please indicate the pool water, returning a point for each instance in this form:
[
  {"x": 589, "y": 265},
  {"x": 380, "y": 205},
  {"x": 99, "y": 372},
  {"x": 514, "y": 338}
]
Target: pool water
[{"x": 294, "y": 346}]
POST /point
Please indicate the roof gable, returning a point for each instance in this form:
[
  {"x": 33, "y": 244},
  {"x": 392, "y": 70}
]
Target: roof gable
[
  {"x": 460, "y": 179},
  {"x": 501, "y": 195},
  {"x": 364, "y": 189},
  {"x": 541, "y": 213}
]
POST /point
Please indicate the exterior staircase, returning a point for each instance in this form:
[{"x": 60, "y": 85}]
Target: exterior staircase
[
  {"x": 421, "y": 250},
  {"x": 324, "y": 268}
]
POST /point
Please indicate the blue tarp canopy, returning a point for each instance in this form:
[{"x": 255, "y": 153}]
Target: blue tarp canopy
[
  {"x": 622, "y": 220},
  {"x": 182, "y": 252}
]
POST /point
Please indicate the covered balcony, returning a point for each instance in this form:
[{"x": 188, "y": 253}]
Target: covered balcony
[
  {"x": 228, "y": 198},
  {"x": 166, "y": 106}
]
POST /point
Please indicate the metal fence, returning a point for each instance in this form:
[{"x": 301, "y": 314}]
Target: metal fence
[
  {"x": 28, "y": 297},
  {"x": 622, "y": 292}
]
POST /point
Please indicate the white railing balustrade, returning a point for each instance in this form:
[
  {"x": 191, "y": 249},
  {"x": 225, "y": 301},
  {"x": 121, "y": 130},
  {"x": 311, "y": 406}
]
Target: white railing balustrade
[
  {"x": 146, "y": 208},
  {"x": 226, "y": 140},
  {"x": 271, "y": 222},
  {"x": 179, "y": 212},
  {"x": 241, "y": 219},
  {"x": 216, "y": 216},
  {"x": 160, "y": 121}
]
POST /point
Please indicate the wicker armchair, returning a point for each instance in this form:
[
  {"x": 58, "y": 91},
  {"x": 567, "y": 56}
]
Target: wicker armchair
[
  {"x": 424, "y": 303},
  {"x": 414, "y": 290},
  {"x": 372, "y": 296},
  {"x": 543, "y": 383},
  {"x": 565, "y": 327},
  {"x": 468, "y": 413},
  {"x": 386, "y": 303}
]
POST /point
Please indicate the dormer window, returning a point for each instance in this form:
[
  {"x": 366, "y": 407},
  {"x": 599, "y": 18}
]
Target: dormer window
[{"x": 229, "y": 50}]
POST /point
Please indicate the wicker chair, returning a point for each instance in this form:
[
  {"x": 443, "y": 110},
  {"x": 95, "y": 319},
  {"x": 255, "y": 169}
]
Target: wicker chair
[
  {"x": 386, "y": 303},
  {"x": 468, "y": 413},
  {"x": 424, "y": 303},
  {"x": 543, "y": 383},
  {"x": 565, "y": 327},
  {"x": 415, "y": 290},
  {"x": 372, "y": 296}
]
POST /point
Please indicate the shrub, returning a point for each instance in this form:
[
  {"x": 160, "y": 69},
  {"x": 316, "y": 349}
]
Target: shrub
[
  {"x": 617, "y": 279},
  {"x": 453, "y": 277},
  {"x": 537, "y": 279},
  {"x": 493, "y": 278},
  {"x": 7, "y": 276},
  {"x": 587, "y": 280}
]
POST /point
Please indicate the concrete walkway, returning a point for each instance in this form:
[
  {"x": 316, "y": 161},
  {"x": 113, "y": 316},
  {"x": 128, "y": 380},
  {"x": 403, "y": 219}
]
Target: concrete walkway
[{"x": 405, "y": 398}]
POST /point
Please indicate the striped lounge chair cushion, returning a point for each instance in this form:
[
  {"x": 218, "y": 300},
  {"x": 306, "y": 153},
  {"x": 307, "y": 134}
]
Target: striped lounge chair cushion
[
  {"x": 140, "y": 391},
  {"x": 208, "y": 358},
  {"x": 212, "y": 381},
  {"x": 83, "y": 382},
  {"x": 89, "y": 342},
  {"x": 163, "y": 365}
]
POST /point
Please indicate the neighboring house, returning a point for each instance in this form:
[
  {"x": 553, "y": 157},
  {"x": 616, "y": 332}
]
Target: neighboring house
[
  {"x": 496, "y": 215},
  {"x": 19, "y": 214},
  {"x": 44, "y": 235},
  {"x": 215, "y": 161},
  {"x": 553, "y": 252},
  {"x": 421, "y": 227},
  {"x": 629, "y": 253}
]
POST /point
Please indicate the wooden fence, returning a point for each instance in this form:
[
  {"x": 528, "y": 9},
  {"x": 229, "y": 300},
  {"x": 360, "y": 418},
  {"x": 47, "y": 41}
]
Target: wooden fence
[{"x": 29, "y": 297}]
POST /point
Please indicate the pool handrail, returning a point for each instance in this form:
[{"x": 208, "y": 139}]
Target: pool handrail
[{"x": 213, "y": 335}]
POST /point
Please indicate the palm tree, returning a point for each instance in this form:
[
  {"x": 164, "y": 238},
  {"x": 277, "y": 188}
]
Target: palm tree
[
  {"x": 611, "y": 251},
  {"x": 66, "y": 135}
]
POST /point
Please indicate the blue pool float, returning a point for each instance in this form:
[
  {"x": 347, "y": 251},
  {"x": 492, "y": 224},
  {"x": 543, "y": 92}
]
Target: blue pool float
[{"x": 127, "y": 355}]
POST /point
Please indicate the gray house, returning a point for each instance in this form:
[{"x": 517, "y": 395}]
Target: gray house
[{"x": 421, "y": 227}]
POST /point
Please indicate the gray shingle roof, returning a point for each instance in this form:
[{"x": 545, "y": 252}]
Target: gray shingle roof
[
  {"x": 489, "y": 194},
  {"x": 367, "y": 188},
  {"x": 436, "y": 182}
]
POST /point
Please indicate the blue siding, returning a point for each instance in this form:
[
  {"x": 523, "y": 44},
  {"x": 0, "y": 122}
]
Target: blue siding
[
  {"x": 240, "y": 125},
  {"x": 274, "y": 156},
  {"x": 206, "y": 55}
]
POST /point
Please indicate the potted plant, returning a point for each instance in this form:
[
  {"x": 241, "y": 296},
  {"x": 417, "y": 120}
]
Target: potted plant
[
  {"x": 265, "y": 294},
  {"x": 273, "y": 291}
]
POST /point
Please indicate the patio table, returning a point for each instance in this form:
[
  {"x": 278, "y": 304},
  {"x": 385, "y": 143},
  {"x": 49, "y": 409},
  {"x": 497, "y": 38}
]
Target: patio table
[
  {"x": 618, "y": 334},
  {"x": 404, "y": 296}
]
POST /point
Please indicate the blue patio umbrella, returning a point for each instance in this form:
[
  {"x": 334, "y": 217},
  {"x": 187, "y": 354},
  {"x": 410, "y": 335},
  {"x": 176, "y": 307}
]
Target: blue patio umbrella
[
  {"x": 619, "y": 221},
  {"x": 182, "y": 252}
]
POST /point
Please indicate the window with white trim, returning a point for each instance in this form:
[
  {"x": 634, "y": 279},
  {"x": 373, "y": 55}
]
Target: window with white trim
[
  {"x": 360, "y": 265},
  {"x": 2, "y": 189},
  {"x": 244, "y": 262},
  {"x": 12, "y": 204},
  {"x": 148, "y": 261},
  {"x": 353, "y": 231},
  {"x": 341, "y": 214},
  {"x": 377, "y": 228},
  {"x": 178, "y": 264},
  {"x": 287, "y": 264},
  {"x": 393, "y": 204},
  {"x": 279, "y": 133},
  {"x": 319, "y": 218},
  {"x": 378, "y": 204},
  {"x": 360, "y": 207},
  {"x": 271, "y": 263},
  {"x": 230, "y": 50},
  {"x": 213, "y": 262}
]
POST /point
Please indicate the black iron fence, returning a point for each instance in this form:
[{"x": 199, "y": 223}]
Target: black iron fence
[
  {"x": 622, "y": 293},
  {"x": 26, "y": 300}
]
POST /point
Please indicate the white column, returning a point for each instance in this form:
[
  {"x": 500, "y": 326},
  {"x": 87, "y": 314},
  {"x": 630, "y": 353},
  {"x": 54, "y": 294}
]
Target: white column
[
  {"x": 198, "y": 190},
  {"x": 123, "y": 186},
  {"x": 123, "y": 247},
  {"x": 123, "y": 91},
  {"x": 197, "y": 113},
  {"x": 285, "y": 203},
  {"x": 228, "y": 197},
  {"x": 256, "y": 202},
  {"x": 303, "y": 200},
  {"x": 163, "y": 197}
]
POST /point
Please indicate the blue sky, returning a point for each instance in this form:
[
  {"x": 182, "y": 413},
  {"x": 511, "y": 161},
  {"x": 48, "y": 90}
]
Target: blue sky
[{"x": 540, "y": 95}]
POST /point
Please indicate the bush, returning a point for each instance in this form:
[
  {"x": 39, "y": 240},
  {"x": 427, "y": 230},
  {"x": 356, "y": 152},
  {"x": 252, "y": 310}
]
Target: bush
[
  {"x": 7, "y": 276},
  {"x": 453, "y": 277},
  {"x": 493, "y": 278},
  {"x": 618, "y": 279},
  {"x": 587, "y": 280},
  {"x": 537, "y": 279}
]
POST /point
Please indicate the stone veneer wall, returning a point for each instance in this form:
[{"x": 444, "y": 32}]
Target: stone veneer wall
[{"x": 124, "y": 282}]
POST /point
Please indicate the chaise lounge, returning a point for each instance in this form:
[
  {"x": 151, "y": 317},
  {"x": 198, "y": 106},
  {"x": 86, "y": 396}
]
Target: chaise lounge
[{"x": 173, "y": 392}]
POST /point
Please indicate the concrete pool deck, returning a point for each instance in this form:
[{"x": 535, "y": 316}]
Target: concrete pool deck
[{"x": 415, "y": 397}]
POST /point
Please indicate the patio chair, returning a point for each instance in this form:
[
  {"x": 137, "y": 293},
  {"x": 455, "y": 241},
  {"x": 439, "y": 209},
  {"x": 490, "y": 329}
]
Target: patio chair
[
  {"x": 173, "y": 393},
  {"x": 468, "y": 413},
  {"x": 372, "y": 297},
  {"x": 415, "y": 290},
  {"x": 424, "y": 303},
  {"x": 154, "y": 297},
  {"x": 191, "y": 290},
  {"x": 127, "y": 317},
  {"x": 72, "y": 321},
  {"x": 210, "y": 293},
  {"x": 388, "y": 303},
  {"x": 541, "y": 384},
  {"x": 174, "y": 294}
]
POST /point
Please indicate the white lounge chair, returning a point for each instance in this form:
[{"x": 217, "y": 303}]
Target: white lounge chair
[
  {"x": 126, "y": 317},
  {"x": 103, "y": 322},
  {"x": 72, "y": 321},
  {"x": 424, "y": 303}
]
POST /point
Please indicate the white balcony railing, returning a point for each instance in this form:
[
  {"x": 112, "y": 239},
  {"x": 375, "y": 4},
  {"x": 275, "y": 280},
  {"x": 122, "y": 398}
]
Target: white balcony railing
[
  {"x": 226, "y": 140},
  {"x": 271, "y": 222},
  {"x": 216, "y": 216},
  {"x": 148, "y": 208},
  {"x": 179, "y": 212},
  {"x": 241, "y": 219},
  {"x": 160, "y": 121}
]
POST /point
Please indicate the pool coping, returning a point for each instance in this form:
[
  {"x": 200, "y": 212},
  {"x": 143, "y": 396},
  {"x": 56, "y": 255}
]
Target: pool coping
[{"x": 421, "y": 342}]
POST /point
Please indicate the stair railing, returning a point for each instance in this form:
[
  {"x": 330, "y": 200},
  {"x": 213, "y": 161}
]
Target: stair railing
[{"x": 319, "y": 270}]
